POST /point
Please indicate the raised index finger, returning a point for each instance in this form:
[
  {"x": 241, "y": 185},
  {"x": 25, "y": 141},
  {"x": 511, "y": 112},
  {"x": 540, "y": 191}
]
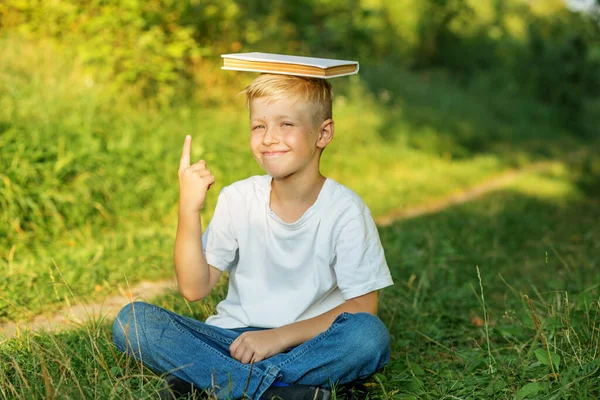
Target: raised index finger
[{"x": 185, "y": 154}]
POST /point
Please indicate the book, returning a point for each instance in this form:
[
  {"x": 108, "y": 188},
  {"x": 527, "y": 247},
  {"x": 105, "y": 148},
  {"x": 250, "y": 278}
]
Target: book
[{"x": 289, "y": 65}]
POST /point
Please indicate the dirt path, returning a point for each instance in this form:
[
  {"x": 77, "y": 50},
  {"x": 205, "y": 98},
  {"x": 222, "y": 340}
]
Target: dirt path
[
  {"x": 74, "y": 316},
  {"x": 462, "y": 196}
]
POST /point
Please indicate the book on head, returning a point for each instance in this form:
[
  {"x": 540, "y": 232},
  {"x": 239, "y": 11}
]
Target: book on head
[{"x": 289, "y": 65}]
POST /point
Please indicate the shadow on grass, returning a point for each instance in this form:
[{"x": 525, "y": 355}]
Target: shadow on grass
[
  {"x": 586, "y": 171},
  {"x": 539, "y": 263},
  {"x": 431, "y": 112},
  {"x": 544, "y": 246}
]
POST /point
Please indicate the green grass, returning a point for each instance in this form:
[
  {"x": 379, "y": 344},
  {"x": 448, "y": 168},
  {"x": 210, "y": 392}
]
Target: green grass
[
  {"x": 88, "y": 184},
  {"x": 537, "y": 252},
  {"x": 88, "y": 196}
]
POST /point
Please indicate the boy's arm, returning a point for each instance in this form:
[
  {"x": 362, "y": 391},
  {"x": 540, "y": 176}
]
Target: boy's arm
[
  {"x": 258, "y": 345},
  {"x": 301, "y": 331},
  {"x": 195, "y": 278}
]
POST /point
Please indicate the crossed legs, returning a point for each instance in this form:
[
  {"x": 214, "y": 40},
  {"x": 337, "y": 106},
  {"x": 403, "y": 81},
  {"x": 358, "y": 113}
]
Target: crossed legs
[{"x": 353, "y": 348}]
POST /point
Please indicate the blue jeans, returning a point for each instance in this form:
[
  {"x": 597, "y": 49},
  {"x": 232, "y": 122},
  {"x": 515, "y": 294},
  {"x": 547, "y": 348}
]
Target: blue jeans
[{"x": 353, "y": 348}]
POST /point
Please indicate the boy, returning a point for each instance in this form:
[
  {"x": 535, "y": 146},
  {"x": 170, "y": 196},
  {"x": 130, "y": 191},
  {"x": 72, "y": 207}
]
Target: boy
[{"x": 304, "y": 261}]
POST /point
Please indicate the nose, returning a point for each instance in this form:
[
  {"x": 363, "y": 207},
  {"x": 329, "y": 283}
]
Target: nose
[{"x": 270, "y": 137}]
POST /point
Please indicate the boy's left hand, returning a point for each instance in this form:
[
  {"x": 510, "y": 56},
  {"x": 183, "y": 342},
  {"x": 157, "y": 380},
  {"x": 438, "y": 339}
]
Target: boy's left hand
[{"x": 256, "y": 346}]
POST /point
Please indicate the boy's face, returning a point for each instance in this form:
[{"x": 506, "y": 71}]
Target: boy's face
[{"x": 284, "y": 139}]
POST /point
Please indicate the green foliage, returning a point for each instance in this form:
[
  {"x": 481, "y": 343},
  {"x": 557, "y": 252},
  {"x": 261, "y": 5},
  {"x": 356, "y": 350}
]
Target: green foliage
[
  {"x": 170, "y": 50},
  {"x": 547, "y": 357},
  {"x": 81, "y": 364},
  {"x": 537, "y": 252},
  {"x": 135, "y": 43},
  {"x": 96, "y": 97},
  {"x": 90, "y": 186},
  {"x": 564, "y": 48}
]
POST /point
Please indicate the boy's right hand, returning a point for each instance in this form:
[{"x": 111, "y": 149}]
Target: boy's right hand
[{"x": 194, "y": 181}]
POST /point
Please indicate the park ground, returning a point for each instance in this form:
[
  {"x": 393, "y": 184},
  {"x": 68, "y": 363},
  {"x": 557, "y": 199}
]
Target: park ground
[{"x": 496, "y": 296}]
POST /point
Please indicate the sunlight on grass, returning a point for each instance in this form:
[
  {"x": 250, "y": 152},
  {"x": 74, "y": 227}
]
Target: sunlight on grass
[
  {"x": 554, "y": 185},
  {"x": 89, "y": 199},
  {"x": 538, "y": 256},
  {"x": 90, "y": 185}
]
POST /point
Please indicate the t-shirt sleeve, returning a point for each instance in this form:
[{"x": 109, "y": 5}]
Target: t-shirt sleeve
[
  {"x": 360, "y": 265},
  {"x": 219, "y": 241}
]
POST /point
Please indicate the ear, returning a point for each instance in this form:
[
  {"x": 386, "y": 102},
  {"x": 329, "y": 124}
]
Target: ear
[{"x": 326, "y": 130}]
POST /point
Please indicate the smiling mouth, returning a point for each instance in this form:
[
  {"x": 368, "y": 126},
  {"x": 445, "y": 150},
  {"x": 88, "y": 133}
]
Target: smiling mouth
[{"x": 274, "y": 153}]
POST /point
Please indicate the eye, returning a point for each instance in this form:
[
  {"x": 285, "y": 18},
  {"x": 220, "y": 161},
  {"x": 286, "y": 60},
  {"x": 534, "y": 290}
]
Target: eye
[
  {"x": 287, "y": 124},
  {"x": 256, "y": 127}
]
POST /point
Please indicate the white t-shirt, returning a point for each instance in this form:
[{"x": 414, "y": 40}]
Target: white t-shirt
[{"x": 280, "y": 273}]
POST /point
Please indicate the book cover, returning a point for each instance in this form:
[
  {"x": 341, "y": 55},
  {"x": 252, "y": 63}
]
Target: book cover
[{"x": 289, "y": 65}]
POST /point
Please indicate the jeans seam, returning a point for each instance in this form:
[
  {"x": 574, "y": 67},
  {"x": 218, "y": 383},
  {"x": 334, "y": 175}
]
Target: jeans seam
[
  {"x": 228, "y": 359},
  {"x": 251, "y": 371},
  {"x": 182, "y": 320},
  {"x": 318, "y": 339},
  {"x": 206, "y": 332},
  {"x": 181, "y": 325},
  {"x": 132, "y": 323}
]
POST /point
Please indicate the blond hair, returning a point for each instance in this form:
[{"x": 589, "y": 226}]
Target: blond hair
[{"x": 274, "y": 87}]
